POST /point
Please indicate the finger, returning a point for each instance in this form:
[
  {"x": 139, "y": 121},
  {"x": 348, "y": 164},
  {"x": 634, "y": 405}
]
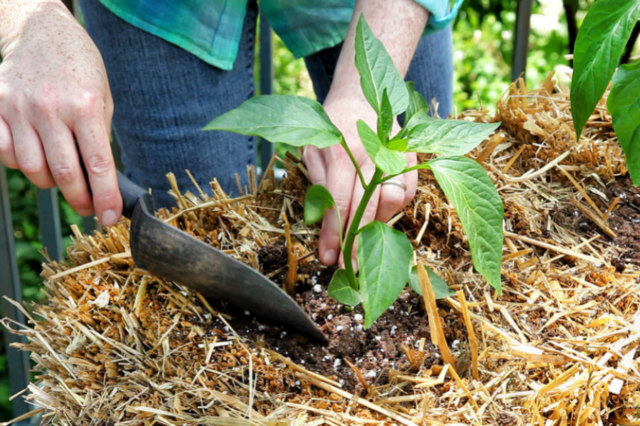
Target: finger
[
  {"x": 392, "y": 197},
  {"x": 7, "y": 152},
  {"x": 411, "y": 178},
  {"x": 108, "y": 113},
  {"x": 93, "y": 140},
  {"x": 368, "y": 170},
  {"x": 340, "y": 177},
  {"x": 64, "y": 164},
  {"x": 315, "y": 165},
  {"x": 29, "y": 153}
]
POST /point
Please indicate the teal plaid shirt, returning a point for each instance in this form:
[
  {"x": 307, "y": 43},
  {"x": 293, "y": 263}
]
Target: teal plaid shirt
[{"x": 211, "y": 29}]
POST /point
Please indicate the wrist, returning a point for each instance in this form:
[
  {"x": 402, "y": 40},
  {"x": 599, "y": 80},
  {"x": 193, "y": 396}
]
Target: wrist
[
  {"x": 339, "y": 92},
  {"x": 17, "y": 16},
  {"x": 348, "y": 106}
]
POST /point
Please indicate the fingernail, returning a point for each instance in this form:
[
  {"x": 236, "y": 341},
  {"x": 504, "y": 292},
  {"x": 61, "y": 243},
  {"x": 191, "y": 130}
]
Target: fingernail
[
  {"x": 330, "y": 257},
  {"x": 109, "y": 218}
]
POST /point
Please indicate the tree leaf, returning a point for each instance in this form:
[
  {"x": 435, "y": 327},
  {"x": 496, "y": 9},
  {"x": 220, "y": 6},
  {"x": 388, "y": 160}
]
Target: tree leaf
[
  {"x": 624, "y": 105},
  {"x": 293, "y": 120},
  {"x": 446, "y": 137},
  {"x": 389, "y": 161},
  {"x": 340, "y": 289},
  {"x": 384, "y": 256},
  {"x": 440, "y": 287},
  {"x": 479, "y": 208},
  {"x": 417, "y": 102},
  {"x": 316, "y": 202},
  {"x": 385, "y": 118},
  {"x": 600, "y": 43},
  {"x": 377, "y": 71}
]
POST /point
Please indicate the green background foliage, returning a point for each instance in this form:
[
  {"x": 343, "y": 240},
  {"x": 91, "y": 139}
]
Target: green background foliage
[{"x": 483, "y": 41}]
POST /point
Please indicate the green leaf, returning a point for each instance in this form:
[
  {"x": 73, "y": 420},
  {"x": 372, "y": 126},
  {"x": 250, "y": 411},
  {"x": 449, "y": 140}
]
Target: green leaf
[
  {"x": 397, "y": 145},
  {"x": 340, "y": 289},
  {"x": 377, "y": 71},
  {"x": 600, "y": 43},
  {"x": 385, "y": 118},
  {"x": 316, "y": 202},
  {"x": 293, "y": 120},
  {"x": 446, "y": 137},
  {"x": 389, "y": 161},
  {"x": 417, "y": 102},
  {"x": 440, "y": 287},
  {"x": 384, "y": 257},
  {"x": 624, "y": 105},
  {"x": 479, "y": 208}
]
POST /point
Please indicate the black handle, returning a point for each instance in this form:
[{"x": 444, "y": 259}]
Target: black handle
[{"x": 131, "y": 193}]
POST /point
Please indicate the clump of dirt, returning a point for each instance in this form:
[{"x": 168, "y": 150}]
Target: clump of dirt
[
  {"x": 376, "y": 352},
  {"x": 625, "y": 220},
  {"x": 572, "y": 218},
  {"x": 272, "y": 257}
]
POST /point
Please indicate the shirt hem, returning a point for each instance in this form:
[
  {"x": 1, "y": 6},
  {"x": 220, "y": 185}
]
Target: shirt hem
[
  {"x": 302, "y": 53},
  {"x": 433, "y": 25},
  {"x": 168, "y": 36}
]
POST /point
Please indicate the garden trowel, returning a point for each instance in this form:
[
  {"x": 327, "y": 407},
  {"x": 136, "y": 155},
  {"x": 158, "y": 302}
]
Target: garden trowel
[{"x": 175, "y": 255}]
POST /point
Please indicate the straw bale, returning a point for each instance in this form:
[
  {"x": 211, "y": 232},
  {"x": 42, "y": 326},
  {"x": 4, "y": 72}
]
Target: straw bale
[{"x": 114, "y": 345}]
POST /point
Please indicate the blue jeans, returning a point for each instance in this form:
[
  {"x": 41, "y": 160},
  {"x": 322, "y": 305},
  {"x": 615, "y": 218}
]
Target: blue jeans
[{"x": 164, "y": 95}]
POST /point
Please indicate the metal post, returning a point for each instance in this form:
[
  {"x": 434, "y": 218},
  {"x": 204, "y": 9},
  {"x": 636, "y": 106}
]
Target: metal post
[
  {"x": 521, "y": 39},
  {"x": 19, "y": 374},
  {"x": 49, "y": 215},
  {"x": 266, "y": 79}
]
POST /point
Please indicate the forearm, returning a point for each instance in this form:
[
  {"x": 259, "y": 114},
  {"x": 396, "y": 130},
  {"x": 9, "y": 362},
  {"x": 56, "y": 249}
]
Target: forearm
[
  {"x": 16, "y": 15},
  {"x": 398, "y": 24}
]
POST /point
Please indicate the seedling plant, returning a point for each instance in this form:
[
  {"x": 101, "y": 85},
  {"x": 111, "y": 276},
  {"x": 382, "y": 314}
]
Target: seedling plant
[
  {"x": 599, "y": 46},
  {"x": 384, "y": 255}
]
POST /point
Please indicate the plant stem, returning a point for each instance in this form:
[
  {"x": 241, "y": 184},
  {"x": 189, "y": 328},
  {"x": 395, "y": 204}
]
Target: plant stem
[
  {"x": 386, "y": 178},
  {"x": 355, "y": 224},
  {"x": 407, "y": 170},
  {"x": 355, "y": 163}
]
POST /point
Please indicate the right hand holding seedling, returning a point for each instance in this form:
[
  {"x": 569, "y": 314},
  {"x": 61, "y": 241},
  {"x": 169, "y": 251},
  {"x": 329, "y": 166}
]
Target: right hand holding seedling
[
  {"x": 332, "y": 168},
  {"x": 384, "y": 254},
  {"x": 55, "y": 106}
]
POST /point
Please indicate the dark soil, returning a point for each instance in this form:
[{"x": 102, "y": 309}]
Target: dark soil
[
  {"x": 624, "y": 220},
  {"x": 376, "y": 352},
  {"x": 382, "y": 350}
]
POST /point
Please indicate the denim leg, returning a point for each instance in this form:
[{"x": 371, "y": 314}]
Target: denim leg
[
  {"x": 163, "y": 96},
  {"x": 431, "y": 69}
]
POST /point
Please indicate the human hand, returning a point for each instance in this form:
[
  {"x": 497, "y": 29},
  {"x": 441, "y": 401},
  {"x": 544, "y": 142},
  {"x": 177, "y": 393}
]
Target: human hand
[
  {"x": 54, "y": 92},
  {"x": 332, "y": 168}
]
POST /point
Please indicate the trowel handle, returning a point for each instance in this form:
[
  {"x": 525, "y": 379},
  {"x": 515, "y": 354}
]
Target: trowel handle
[{"x": 131, "y": 193}]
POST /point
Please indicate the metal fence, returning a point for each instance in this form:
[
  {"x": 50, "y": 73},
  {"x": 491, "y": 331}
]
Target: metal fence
[{"x": 49, "y": 212}]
